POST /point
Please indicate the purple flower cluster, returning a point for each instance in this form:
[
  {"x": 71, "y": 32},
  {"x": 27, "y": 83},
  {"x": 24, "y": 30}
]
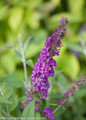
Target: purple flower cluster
[
  {"x": 48, "y": 113},
  {"x": 44, "y": 67}
]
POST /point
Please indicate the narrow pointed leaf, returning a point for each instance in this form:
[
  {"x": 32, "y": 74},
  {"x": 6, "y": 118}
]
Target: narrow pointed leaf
[
  {"x": 27, "y": 42},
  {"x": 30, "y": 63}
]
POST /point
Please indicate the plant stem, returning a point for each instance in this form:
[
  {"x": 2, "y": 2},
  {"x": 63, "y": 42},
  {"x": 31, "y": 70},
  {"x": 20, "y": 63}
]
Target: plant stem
[
  {"x": 23, "y": 58},
  {"x": 59, "y": 106}
]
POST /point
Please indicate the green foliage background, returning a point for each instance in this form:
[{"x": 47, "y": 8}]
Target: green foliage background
[{"x": 37, "y": 19}]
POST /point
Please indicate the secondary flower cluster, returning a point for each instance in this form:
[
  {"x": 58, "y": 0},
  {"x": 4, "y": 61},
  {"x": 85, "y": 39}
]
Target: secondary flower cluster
[
  {"x": 44, "y": 67},
  {"x": 49, "y": 112},
  {"x": 71, "y": 92}
]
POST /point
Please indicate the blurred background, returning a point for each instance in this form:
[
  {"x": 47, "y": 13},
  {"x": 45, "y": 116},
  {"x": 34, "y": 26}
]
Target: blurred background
[{"x": 36, "y": 19}]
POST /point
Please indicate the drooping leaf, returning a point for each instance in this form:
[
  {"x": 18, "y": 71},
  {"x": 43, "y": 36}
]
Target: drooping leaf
[{"x": 29, "y": 110}]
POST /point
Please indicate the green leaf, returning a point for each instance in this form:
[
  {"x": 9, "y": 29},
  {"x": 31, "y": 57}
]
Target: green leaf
[
  {"x": 8, "y": 92},
  {"x": 4, "y": 100},
  {"x": 12, "y": 80},
  {"x": 80, "y": 93},
  {"x": 30, "y": 63},
  {"x": 37, "y": 116},
  {"x": 69, "y": 64},
  {"x": 39, "y": 36},
  {"x": 76, "y": 7},
  {"x": 56, "y": 2},
  {"x": 37, "y": 43},
  {"x": 12, "y": 47},
  {"x": 33, "y": 16},
  {"x": 63, "y": 108},
  {"x": 29, "y": 110},
  {"x": 27, "y": 42},
  {"x": 34, "y": 49},
  {"x": 7, "y": 62},
  {"x": 15, "y": 18},
  {"x": 75, "y": 47},
  {"x": 3, "y": 11},
  {"x": 57, "y": 72},
  {"x": 14, "y": 104},
  {"x": 33, "y": 4},
  {"x": 63, "y": 83},
  {"x": 52, "y": 104},
  {"x": 18, "y": 54}
]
